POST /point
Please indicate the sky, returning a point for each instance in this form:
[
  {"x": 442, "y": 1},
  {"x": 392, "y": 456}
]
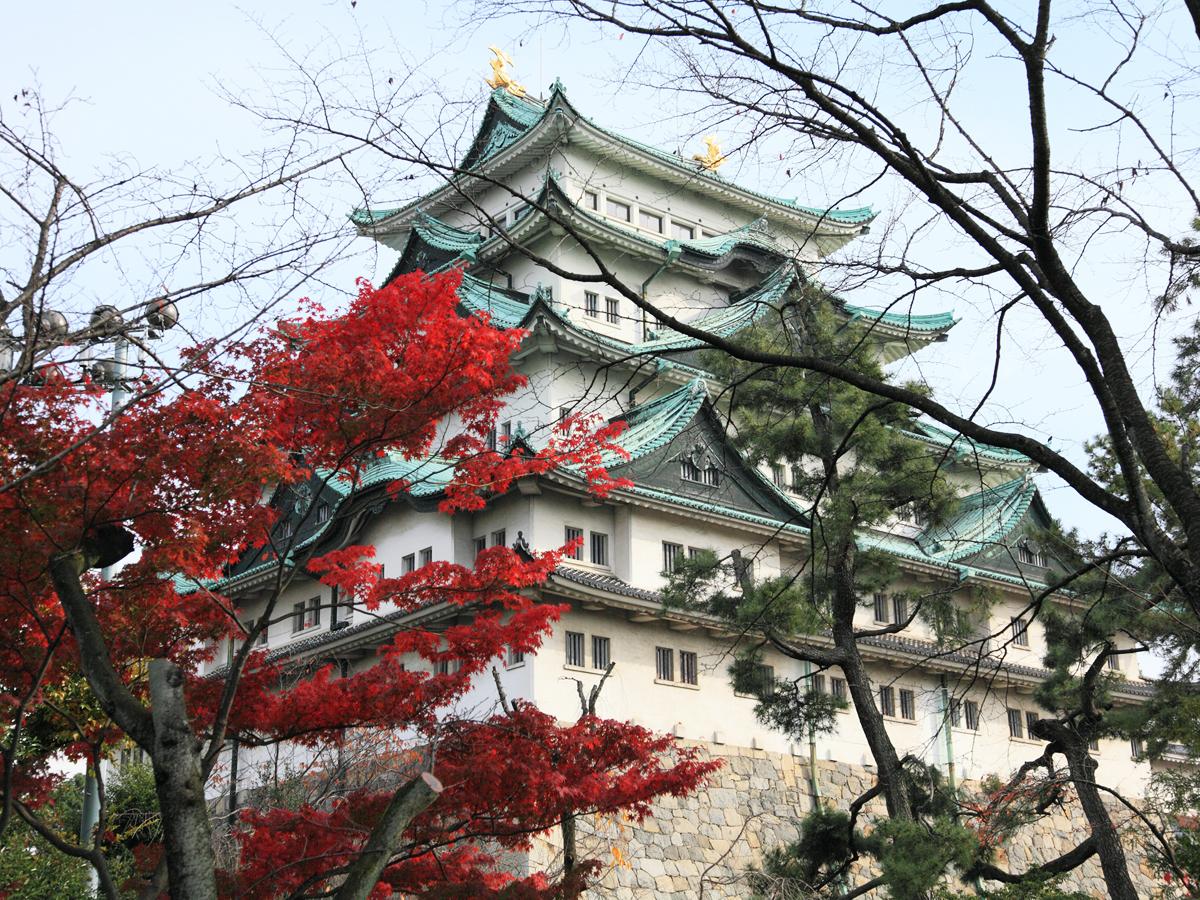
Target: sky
[{"x": 149, "y": 86}]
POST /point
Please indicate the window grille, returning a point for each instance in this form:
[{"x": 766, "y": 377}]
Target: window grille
[
  {"x": 575, "y": 648},
  {"x": 971, "y": 715},
  {"x": 688, "y": 672},
  {"x": 672, "y": 556},
  {"x": 664, "y": 663},
  {"x": 599, "y": 548},
  {"x": 887, "y": 701},
  {"x": 571, "y": 533},
  {"x": 408, "y": 563},
  {"x": 688, "y": 470},
  {"x": 1016, "y": 724},
  {"x": 908, "y": 704},
  {"x": 1030, "y": 719},
  {"x": 881, "y": 608},
  {"x": 591, "y": 304},
  {"x": 426, "y": 556},
  {"x": 1020, "y": 632},
  {"x": 601, "y": 652},
  {"x": 612, "y": 309}
]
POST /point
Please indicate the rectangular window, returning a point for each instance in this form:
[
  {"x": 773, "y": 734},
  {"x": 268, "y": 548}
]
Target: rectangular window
[
  {"x": 672, "y": 555},
  {"x": 617, "y": 209},
  {"x": 688, "y": 470},
  {"x": 599, "y": 548},
  {"x": 688, "y": 670},
  {"x": 818, "y": 684},
  {"x": 323, "y": 512},
  {"x": 490, "y": 440},
  {"x": 1016, "y": 724},
  {"x": 426, "y": 556},
  {"x": 591, "y": 304},
  {"x": 563, "y": 413},
  {"x": 838, "y": 689},
  {"x": 694, "y": 552},
  {"x": 797, "y": 479},
  {"x": 956, "y": 713},
  {"x": 612, "y": 309},
  {"x": 478, "y": 545},
  {"x": 575, "y": 648},
  {"x": 712, "y": 476},
  {"x": 764, "y": 679},
  {"x": 650, "y": 221},
  {"x": 312, "y": 616},
  {"x": 664, "y": 663},
  {"x": 506, "y": 432},
  {"x": 499, "y": 538},
  {"x": 591, "y": 200},
  {"x": 341, "y": 611},
  {"x": 570, "y": 534},
  {"x": 1020, "y": 632},
  {"x": 887, "y": 701},
  {"x": 971, "y": 715},
  {"x": 1113, "y": 662},
  {"x": 448, "y": 666},
  {"x": 1136, "y": 748},
  {"x": 408, "y": 563},
  {"x": 900, "y": 608},
  {"x": 682, "y": 232},
  {"x": 1030, "y": 719},
  {"x": 601, "y": 652},
  {"x": 908, "y": 704},
  {"x": 515, "y": 657},
  {"x": 779, "y": 476},
  {"x": 881, "y": 608}
]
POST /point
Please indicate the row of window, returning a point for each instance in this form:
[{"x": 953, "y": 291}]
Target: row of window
[
  {"x": 891, "y": 610},
  {"x": 673, "y": 556},
  {"x": 597, "y": 545},
  {"x": 591, "y": 306},
  {"x": 499, "y": 538},
  {"x": 647, "y": 219},
  {"x": 690, "y": 471}
]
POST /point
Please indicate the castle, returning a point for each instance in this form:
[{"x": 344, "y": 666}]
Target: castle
[{"x": 717, "y": 255}]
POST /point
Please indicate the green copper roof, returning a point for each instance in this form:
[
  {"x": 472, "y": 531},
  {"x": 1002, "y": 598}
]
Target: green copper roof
[
  {"x": 963, "y": 447},
  {"x": 727, "y": 320},
  {"x": 931, "y": 322},
  {"x": 981, "y": 519},
  {"x": 752, "y": 234},
  {"x": 478, "y": 295},
  {"x": 718, "y": 509},
  {"x": 509, "y": 118},
  {"x": 447, "y": 237},
  {"x": 655, "y": 424},
  {"x": 522, "y": 110}
]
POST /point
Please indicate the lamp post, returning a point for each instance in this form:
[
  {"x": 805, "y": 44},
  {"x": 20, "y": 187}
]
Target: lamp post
[{"x": 107, "y": 324}]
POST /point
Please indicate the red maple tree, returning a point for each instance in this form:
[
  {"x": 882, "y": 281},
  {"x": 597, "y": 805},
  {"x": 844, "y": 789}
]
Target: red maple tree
[{"x": 173, "y": 488}]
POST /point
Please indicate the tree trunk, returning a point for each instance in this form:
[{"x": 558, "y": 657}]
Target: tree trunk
[
  {"x": 1108, "y": 842},
  {"x": 891, "y": 773},
  {"x": 187, "y": 835},
  {"x": 409, "y": 801}
]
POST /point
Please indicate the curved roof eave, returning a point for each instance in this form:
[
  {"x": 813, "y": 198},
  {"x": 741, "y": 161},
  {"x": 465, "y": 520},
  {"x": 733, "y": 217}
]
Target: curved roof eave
[{"x": 814, "y": 221}]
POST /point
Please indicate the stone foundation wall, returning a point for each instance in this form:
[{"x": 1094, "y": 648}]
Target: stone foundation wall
[{"x": 700, "y": 846}]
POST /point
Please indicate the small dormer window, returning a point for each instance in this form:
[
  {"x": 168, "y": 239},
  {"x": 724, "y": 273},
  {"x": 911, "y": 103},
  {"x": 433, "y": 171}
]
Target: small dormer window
[
  {"x": 689, "y": 471},
  {"x": 322, "y": 512},
  {"x": 712, "y": 476},
  {"x": 1029, "y": 554}
]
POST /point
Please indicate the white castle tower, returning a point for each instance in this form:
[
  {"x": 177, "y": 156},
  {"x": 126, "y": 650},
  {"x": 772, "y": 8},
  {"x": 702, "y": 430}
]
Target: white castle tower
[{"x": 715, "y": 254}]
